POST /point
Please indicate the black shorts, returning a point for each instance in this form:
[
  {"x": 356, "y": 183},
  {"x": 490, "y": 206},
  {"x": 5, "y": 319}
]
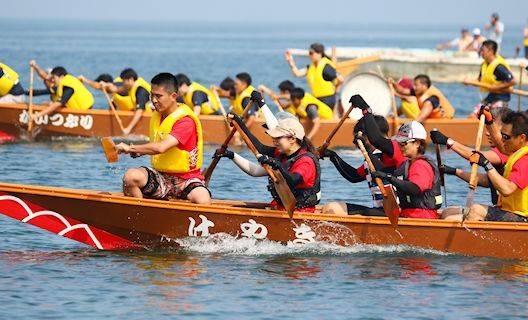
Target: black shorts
[
  {"x": 329, "y": 101},
  {"x": 497, "y": 214},
  {"x": 356, "y": 209}
]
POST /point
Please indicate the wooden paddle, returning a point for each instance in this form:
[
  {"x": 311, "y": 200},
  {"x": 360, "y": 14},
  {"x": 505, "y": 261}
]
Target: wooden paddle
[
  {"x": 326, "y": 143},
  {"x": 390, "y": 205},
  {"x": 473, "y": 178},
  {"x": 394, "y": 107},
  {"x": 114, "y": 111},
  {"x": 346, "y": 67},
  {"x": 220, "y": 104},
  {"x": 440, "y": 169},
  {"x": 109, "y": 149},
  {"x": 521, "y": 71},
  {"x": 209, "y": 171},
  {"x": 283, "y": 189},
  {"x": 30, "y": 106},
  {"x": 487, "y": 86}
]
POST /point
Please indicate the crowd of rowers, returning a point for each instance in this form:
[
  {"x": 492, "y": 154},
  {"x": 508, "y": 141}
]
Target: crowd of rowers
[{"x": 176, "y": 138}]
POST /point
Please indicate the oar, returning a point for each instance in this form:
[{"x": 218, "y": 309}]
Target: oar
[
  {"x": 326, "y": 143},
  {"x": 521, "y": 71},
  {"x": 220, "y": 104},
  {"x": 109, "y": 149},
  {"x": 209, "y": 171},
  {"x": 393, "y": 100},
  {"x": 283, "y": 189},
  {"x": 440, "y": 169},
  {"x": 113, "y": 110},
  {"x": 390, "y": 205},
  {"x": 487, "y": 86},
  {"x": 30, "y": 106},
  {"x": 473, "y": 179}
]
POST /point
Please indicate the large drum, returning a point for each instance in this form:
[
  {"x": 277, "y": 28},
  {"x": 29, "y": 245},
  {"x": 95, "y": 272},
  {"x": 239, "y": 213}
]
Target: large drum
[{"x": 374, "y": 90}]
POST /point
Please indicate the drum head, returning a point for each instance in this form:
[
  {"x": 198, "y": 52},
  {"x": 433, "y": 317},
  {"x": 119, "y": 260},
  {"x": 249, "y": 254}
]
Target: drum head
[{"x": 374, "y": 90}]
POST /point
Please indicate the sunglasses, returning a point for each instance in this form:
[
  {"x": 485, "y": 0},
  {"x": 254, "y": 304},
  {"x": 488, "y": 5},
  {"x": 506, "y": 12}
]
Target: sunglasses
[
  {"x": 404, "y": 143},
  {"x": 507, "y": 136},
  {"x": 311, "y": 52}
]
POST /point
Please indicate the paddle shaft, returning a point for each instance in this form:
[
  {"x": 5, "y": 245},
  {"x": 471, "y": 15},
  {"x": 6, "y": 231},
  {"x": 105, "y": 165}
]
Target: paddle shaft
[
  {"x": 394, "y": 108},
  {"x": 486, "y": 86},
  {"x": 521, "y": 71},
  {"x": 30, "y": 106},
  {"x": 209, "y": 172},
  {"x": 440, "y": 169},
  {"x": 114, "y": 111},
  {"x": 371, "y": 166},
  {"x": 326, "y": 143},
  {"x": 473, "y": 180},
  {"x": 220, "y": 105}
]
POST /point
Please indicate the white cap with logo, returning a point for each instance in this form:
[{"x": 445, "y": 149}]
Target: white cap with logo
[
  {"x": 476, "y": 32},
  {"x": 412, "y": 130},
  {"x": 287, "y": 127}
]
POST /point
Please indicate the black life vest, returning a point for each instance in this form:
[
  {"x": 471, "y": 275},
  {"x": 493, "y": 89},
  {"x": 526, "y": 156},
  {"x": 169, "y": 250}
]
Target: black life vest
[
  {"x": 304, "y": 197},
  {"x": 429, "y": 199}
]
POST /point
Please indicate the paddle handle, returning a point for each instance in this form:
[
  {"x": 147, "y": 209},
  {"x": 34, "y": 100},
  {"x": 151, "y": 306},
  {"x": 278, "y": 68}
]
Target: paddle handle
[
  {"x": 114, "y": 111},
  {"x": 394, "y": 107},
  {"x": 487, "y": 86},
  {"x": 439, "y": 161},
  {"x": 371, "y": 167},
  {"x": 209, "y": 172},
  {"x": 30, "y": 106},
  {"x": 521, "y": 71},
  {"x": 326, "y": 143},
  {"x": 220, "y": 105},
  {"x": 473, "y": 179}
]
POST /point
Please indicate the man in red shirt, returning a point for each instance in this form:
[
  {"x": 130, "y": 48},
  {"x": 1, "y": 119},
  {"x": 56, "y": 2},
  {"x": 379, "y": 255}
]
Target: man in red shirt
[{"x": 176, "y": 150}]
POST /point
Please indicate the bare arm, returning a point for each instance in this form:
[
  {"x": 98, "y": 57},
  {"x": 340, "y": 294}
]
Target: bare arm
[
  {"x": 425, "y": 112},
  {"x": 53, "y": 106},
  {"x": 151, "y": 148},
  {"x": 496, "y": 138},
  {"x": 465, "y": 152},
  {"x": 316, "y": 124},
  {"x": 296, "y": 71},
  {"x": 137, "y": 116},
  {"x": 41, "y": 73},
  {"x": 91, "y": 83},
  {"x": 399, "y": 89},
  {"x": 483, "y": 180},
  {"x": 504, "y": 186}
]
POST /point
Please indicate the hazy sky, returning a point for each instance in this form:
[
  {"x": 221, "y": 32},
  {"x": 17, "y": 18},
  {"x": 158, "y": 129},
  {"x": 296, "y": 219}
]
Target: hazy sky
[{"x": 462, "y": 12}]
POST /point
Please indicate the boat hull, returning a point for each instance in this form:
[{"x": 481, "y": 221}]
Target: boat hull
[
  {"x": 132, "y": 223},
  {"x": 102, "y": 123}
]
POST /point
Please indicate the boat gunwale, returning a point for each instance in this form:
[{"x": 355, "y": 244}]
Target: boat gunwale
[{"x": 101, "y": 196}]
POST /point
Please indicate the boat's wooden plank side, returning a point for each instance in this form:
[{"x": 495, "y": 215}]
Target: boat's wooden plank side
[
  {"x": 159, "y": 223},
  {"x": 101, "y": 123}
]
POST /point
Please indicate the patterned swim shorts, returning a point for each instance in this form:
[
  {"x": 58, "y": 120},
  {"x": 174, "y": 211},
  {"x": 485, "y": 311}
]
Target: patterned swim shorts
[{"x": 163, "y": 186}]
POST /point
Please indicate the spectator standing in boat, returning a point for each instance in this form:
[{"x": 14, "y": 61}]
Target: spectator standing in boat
[
  {"x": 137, "y": 89},
  {"x": 496, "y": 74},
  {"x": 512, "y": 185},
  {"x": 424, "y": 100},
  {"x": 11, "y": 91},
  {"x": 362, "y": 173},
  {"x": 70, "y": 92},
  {"x": 476, "y": 41},
  {"x": 309, "y": 107},
  {"x": 461, "y": 43},
  {"x": 525, "y": 42},
  {"x": 176, "y": 150},
  {"x": 495, "y": 28},
  {"x": 292, "y": 154},
  {"x": 196, "y": 96},
  {"x": 321, "y": 74},
  {"x": 121, "y": 100},
  {"x": 283, "y": 98}
]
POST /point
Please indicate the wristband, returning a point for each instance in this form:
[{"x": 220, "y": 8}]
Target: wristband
[{"x": 488, "y": 166}]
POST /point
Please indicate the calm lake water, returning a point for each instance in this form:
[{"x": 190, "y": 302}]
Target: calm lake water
[{"x": 45, "y": 276}]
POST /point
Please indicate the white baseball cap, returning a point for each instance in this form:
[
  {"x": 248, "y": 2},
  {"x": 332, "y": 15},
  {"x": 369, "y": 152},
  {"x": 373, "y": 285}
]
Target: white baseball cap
[
  {"x": 476, "y": 32},
  {"x": 287, "y": 127},
  {"x": 412, "y": 130}
]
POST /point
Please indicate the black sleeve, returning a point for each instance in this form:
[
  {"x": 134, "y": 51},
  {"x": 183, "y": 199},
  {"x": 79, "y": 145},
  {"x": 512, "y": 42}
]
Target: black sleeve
[
  {"x": 434, "y": 101},
  {"x": 413, "y": 93},
  {"x": 312, "y": 111},
  {"x": 142, "y": 98},
  {"x": 293, "y": 179},
  {"x": 38, "y": 92},
  {"x": 1, "y": 72},
  {"x": 254, "y": 106},
  {"x": 347, "y": 171},
  {"x": 502, "y": 73},
  {"x": 199, "y": 98},
  {"x": 329, "y": 73},
  {"x": 407, "y": 187},
  {"x": 67, "y": 93},
  {"x": 376, "y": 138},
  {"x": 261, "y": 148}
]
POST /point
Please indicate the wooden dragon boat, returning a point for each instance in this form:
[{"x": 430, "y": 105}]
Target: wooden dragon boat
[
  {"x": 101, "y": 123},
  {"x": 110, "y": 221}
]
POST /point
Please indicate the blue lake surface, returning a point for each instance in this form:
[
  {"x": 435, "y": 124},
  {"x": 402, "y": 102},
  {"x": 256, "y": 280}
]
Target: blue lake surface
[{"x": 48, "y": 277}]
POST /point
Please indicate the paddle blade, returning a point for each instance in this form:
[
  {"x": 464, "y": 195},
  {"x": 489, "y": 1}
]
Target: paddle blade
[
  {"x": 285, "y": 194},
  {"x": 109, "y": 149},
  {"x": 390, "y": 205}
]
